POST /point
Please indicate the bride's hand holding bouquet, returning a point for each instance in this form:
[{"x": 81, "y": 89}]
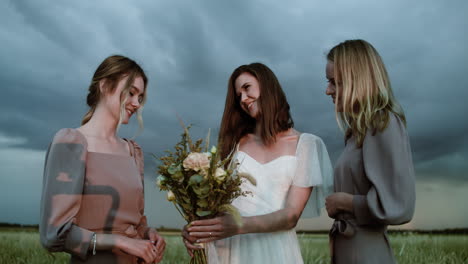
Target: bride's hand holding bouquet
[{"x": 201, "y": 184}]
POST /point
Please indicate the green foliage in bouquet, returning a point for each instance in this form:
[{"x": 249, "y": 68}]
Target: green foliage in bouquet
[{"x": 199, "y": 183}]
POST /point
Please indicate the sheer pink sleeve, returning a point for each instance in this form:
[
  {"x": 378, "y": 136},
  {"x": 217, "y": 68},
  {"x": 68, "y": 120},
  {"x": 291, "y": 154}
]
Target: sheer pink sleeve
[{"x": 64, "y": 177}]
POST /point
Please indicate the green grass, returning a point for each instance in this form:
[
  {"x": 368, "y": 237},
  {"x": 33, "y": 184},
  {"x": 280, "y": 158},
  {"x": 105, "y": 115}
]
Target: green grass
[
  {"x": 430, "y": 249},
  {"x": 22, "y": 246}
]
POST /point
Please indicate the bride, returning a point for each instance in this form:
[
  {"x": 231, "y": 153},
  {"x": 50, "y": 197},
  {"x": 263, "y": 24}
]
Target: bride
[{"x": 289, "y": 168}]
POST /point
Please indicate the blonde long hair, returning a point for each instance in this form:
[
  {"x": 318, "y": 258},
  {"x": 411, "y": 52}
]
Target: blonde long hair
[
  {"x": 112, "y": 70},
  {"x": 363, "y": 89}
]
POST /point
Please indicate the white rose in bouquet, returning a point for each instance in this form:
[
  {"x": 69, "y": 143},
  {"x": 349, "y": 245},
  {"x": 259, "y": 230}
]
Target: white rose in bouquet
[{"x": 220, "y": 175}]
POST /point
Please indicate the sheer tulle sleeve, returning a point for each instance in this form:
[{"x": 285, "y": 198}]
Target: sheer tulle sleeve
[
  {"x": 313, "y": 170},
  {"x": 64, "y": 178}
]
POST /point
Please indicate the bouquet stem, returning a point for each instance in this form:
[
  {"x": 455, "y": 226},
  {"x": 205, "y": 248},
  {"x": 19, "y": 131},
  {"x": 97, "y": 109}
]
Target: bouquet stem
[{"x": 199, "y": 257}]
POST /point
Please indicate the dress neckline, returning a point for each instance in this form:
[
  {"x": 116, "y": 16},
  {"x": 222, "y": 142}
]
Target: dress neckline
[
  {"x": 274, "y": 159},
  {"x": 106, "y": 153},
  {"x": 268, "y": 162},
  {"x": 109, "y": 154}
]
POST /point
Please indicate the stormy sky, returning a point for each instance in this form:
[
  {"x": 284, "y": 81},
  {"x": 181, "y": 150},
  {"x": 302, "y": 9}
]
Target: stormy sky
[{"x": 50, "y": 49}]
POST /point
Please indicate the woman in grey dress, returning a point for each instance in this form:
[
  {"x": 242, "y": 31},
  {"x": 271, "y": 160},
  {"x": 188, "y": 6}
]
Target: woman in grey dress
[{"x": 374, "y": 176}]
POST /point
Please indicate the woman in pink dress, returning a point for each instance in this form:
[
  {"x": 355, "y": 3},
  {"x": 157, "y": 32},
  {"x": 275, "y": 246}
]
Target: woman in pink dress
[{"x": 92, "y": 199}]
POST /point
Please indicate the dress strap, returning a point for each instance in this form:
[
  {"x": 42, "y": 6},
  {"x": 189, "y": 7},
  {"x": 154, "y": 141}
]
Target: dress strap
[
  {"x": 298, "y": 143},
  {"x": 131, "y": 147},
  {"x": 137, "y": 154}
]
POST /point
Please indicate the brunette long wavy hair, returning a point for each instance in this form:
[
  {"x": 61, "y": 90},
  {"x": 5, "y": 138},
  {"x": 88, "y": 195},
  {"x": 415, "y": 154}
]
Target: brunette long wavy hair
[{"x": 274, "y": 115}]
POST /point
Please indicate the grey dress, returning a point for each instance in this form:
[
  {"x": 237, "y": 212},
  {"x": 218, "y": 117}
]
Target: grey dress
[{"x": 380, "y": 175}]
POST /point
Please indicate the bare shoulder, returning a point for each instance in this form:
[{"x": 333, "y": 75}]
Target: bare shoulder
[
  {"x": 295, "y": 132},
  {"x": 247, "y": 139},
  {"x": 309, "y": 138},
  {"x": 291, "y": 135}
]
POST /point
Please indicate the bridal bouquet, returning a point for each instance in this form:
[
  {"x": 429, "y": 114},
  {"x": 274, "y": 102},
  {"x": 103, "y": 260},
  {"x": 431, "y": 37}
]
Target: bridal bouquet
[{"x": 199, "y": 183}]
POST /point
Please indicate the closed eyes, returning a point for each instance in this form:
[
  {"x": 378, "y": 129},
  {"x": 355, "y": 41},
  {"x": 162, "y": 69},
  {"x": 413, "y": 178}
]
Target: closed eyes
[
  {"x": 245, "y": 88},
  {"x": 140, "y": 97}
]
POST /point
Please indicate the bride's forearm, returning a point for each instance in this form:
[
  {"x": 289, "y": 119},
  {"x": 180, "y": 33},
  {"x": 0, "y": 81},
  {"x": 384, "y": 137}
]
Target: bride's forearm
[{"x": 284, "y": 219}]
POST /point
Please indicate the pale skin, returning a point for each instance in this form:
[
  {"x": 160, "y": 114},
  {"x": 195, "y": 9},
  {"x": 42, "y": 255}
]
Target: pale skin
[
  {"x": 202, "y": 231},
  {"x": 100, "y": 133},
  {"x": 339, "y": 202}
]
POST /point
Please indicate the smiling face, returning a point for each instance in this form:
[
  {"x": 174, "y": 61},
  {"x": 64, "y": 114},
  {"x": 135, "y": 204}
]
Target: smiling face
[
  {"x": 134, "y": 98},
  {"x": 248, "y": 92}
]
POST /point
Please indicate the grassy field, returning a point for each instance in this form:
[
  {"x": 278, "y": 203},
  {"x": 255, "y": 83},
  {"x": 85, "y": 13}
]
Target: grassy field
[{"x": 22, "y": 246}]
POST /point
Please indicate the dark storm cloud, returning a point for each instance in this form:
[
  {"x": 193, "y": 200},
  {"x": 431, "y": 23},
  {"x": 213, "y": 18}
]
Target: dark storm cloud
[{"x": 189, "y": 49}]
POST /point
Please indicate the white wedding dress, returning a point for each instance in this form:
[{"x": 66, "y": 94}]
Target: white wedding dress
[{"x": 309, "y": 167}]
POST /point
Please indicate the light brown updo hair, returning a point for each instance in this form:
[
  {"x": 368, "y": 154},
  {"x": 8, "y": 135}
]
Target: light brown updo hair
[{"x": 112, "y": 70}]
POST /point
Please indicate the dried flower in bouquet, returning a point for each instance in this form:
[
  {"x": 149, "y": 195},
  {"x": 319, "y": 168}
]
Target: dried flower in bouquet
[{"x": 199, "y": 183}]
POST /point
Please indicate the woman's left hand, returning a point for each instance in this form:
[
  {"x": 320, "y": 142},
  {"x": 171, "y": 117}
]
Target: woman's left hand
[
  {"x": 339, "y": 202},
  {"x": 159, "y": 242},
  {"x": 213, "y": 229}
]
